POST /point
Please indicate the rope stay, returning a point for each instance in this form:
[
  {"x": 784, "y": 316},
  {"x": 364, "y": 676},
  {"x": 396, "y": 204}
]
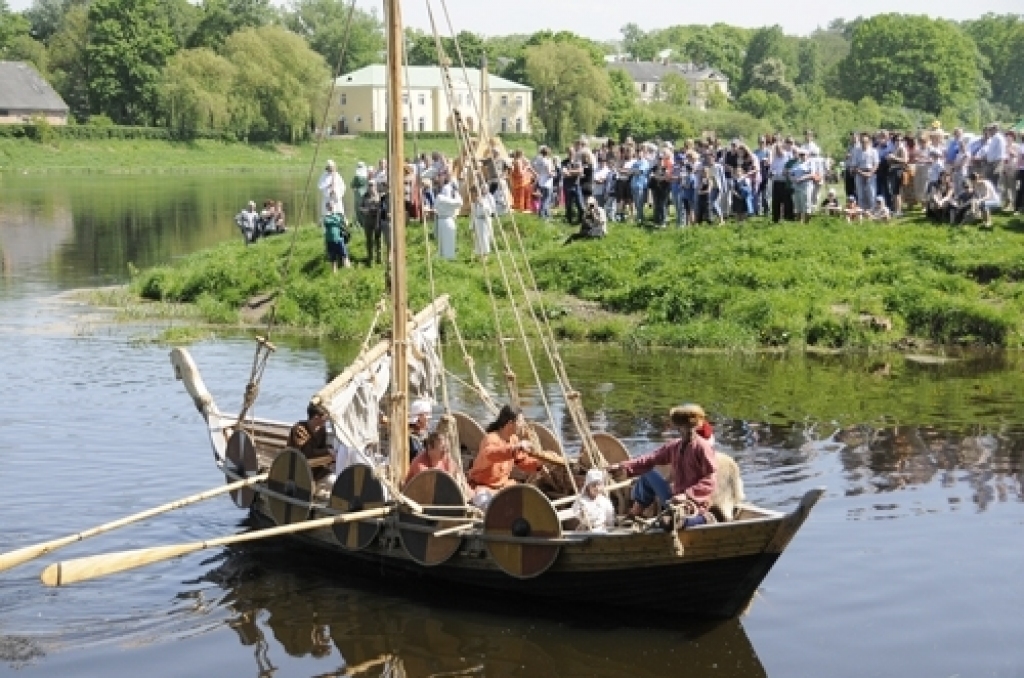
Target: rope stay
[
  {"x": 571, "y": 396},
  {"x": 477, "y": 181}
]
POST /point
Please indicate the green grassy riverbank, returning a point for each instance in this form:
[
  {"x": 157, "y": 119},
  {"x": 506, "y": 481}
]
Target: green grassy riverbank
[
  {"x": 201, "y": 155},
  {"x": 828, "y": 285}
]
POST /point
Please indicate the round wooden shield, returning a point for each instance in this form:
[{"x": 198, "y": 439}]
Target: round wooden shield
[
  {"x": 290, "y": 478},
  {"x": 470, "y": 434},
  {"x": 611, "y": 449},
  {"x": 356, "y": 489},
  {"x": 241, "y": 458},
  {"x": 432, "y": 487},
  {"x": 522, "y": 511},
  {"x": 547, "y": 439}
]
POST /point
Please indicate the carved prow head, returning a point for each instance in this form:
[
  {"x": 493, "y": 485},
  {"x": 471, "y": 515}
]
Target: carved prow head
[{"x": 185, "y": 370}]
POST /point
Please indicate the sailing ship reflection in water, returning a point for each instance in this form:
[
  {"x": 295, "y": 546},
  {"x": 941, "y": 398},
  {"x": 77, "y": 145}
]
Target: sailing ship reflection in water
[{"x": 284, "y": 608}]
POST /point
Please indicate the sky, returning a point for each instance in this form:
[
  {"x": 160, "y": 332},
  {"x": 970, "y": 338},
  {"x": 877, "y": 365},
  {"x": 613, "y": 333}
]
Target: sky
[{"x": 602, "y": 19}]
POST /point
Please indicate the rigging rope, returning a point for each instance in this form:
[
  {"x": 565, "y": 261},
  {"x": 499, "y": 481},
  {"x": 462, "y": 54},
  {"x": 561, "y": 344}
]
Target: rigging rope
[
  {"x": 476, "y": 176},
  {"x": 264, "y": 348}
]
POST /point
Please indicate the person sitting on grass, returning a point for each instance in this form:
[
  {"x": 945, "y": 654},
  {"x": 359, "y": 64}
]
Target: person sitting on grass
[
  {"x": 853, "y": 211},
  {"x": 693, "y": 462},
  {"x": 881, "y": 210},
  {"x": 336, "y": 236},
  {"x": 830, "y": 206},
  {"x": 594, "y": 225},
  {"x": 986, "y": 198}
]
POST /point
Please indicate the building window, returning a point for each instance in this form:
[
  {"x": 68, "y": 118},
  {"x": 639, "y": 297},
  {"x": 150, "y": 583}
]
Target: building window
[
  {"x": 422, "y": 124},
  {"x": 359, "y": 118},
  {"x": 519, "y": 125},
  {"x": 519, "y": 100},
  {"x": 657, "y": 90},
  {"x": 423, "y": 100},
  {"x": 504, "y": 124},
  {"x": 504, "y": 100},
  {"x": 344, "y": 98},
  {"x": 4, "y": 112},
  {"x": 405, "y": 99},
  {"x": 458, "y": 99},
  {"x": 643, "y": 88},
  {"x": 405, "y": 124}
]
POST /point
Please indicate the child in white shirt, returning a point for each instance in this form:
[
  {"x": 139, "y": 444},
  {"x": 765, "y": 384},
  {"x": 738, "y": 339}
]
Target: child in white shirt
[{"x": 593, "y": 508}]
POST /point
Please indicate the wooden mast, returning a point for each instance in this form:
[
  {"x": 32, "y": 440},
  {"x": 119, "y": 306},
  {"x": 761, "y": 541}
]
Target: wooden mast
[{"x": 396, "y": 178}]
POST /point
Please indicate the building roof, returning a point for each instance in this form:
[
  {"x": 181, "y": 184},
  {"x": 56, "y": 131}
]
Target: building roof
[
  {"x": 426, "y": 77},
  {"x": 654, "y": 71},
  {"x": 23, "y": 89}
]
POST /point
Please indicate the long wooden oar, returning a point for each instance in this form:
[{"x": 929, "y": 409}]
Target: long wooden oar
[
  {"x": 92, "y": 567},
  {"x": 27, "y": 553}
]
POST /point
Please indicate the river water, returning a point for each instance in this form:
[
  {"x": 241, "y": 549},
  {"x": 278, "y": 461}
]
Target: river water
[{"x": 907, "y": 567}]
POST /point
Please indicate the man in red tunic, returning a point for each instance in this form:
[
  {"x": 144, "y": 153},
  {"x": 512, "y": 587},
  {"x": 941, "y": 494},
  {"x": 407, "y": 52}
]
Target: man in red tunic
[{"x": 692, "y": 458}]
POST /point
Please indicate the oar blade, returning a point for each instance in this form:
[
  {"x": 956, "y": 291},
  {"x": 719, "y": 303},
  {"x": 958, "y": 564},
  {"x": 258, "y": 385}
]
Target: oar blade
[{"x": 93, "y": 567}]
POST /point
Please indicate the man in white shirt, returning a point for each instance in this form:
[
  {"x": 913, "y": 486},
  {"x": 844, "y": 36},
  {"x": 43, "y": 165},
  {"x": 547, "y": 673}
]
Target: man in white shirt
[
  {"x": 995, "y": 155},
  {"x": 545, "y": 171}
]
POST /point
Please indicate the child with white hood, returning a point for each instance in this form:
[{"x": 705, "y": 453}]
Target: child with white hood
[{"x": 593, "y": 508}]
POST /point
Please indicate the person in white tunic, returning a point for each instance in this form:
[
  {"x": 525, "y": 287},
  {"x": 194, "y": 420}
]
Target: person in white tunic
[
  {"x": 483, "y": 209},
  {"x": 447, "y": 205},
  {"x": 332, "y": 190},
  {"x": 593, "y": 509}
]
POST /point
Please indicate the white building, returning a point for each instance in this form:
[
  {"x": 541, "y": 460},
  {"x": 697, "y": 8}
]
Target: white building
[
  {"x": 362, "y": 101},
  {"x": 649, "y": 75}
]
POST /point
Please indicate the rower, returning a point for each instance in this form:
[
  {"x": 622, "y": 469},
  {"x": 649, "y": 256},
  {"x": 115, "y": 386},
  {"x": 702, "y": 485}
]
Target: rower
[
  {"x": 310, "y": 437},
  {"x": 419, "y": 424},
  {"x": 500, "y": 451}
]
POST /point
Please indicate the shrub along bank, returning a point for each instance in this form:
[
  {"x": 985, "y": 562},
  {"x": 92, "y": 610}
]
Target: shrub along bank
[{"x": 828, "y": 284}]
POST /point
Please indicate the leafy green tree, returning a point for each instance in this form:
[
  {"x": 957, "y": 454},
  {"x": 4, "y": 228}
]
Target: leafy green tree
[
  {"x": 761, "y": 104},
  {"x": 622, "y": 104},
  {"x": 69, "y": 67},
  {"x": 280, "y": 85},
  {"x": 767, "y": 43},
  {"x": 996, "y": 38},
  {"x": 516, "y": 71},
  {"x": 929, "y": 60},
  {"x": 12, "y": 25},
  {"x": 811, "y": 68},
  {"x": 1012, "y": 79},
  {"x": 24, "y": 48},
  {"x": 638, "y": 44},
  {"x": 129, "y": 43},
  {"x": 422, "y": 49},
  {"x": 195, "y": 90},
  {"x": 222, "y": 18},
  {"x": 183, "y": 17},
  {"x": 323, "y": 24},
  {"x": 570, "y": 91},
  {"x": 46, "y": 16},
  {"x": 720, "y": 46},
  {"x": 770, "y": 76}
]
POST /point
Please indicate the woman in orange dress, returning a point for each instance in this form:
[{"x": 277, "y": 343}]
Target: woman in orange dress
[
  {"x": 522, "y": 182},
  {"x": 500, "y": 452}
]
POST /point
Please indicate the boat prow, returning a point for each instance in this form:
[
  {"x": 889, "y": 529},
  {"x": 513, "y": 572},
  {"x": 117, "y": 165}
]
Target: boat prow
[{"x": 185, "y": 371}]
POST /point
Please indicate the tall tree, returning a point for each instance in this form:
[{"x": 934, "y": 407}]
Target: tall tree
[
  {"x": 1012, "y": 80},
  {"x": 811, "y": 69},
  {"x": 768, "y": 43},
  {"x": 422, "y": 48},
  {"x": 129, "y": 43},
  {"x": 770, "y": 76},
  {"x": 516, "y": 71},
  {"x": 323, "y": 24},
  {"x": 930, "y": 61},
  {"x": 570, "y": 91},
  {"x": 222, "y": 18},
  {"x": 12, "y": 25},
  {"x": 281, "y": 82},
  {"x": 995, "y": 37},
  {"x": 720, "y": 46},
  {"x": 24, "y": 48},
  {"x": 195, "y": 90},
  {"x": 69, "y": 67},
  {"x": 622, "y": 104},
  {"x": 638, "y": 44},
  {"x": 46, "y": 16}
]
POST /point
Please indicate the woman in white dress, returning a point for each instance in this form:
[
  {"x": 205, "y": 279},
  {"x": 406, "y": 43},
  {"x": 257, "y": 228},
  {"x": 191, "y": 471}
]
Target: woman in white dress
[
  {"x": 332, "y": 190},
  {"x": 483, "y": 209},
  {"x": 447, "y": 205}
]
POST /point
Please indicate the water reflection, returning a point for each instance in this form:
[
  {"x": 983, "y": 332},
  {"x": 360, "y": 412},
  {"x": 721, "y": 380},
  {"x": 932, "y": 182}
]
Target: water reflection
[
  {"x": 284, "y": 607},
  {"x": 83, "y": 230}
]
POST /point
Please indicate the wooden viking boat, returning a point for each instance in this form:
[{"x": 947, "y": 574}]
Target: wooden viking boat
[{"x": 524, "y": 542}]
